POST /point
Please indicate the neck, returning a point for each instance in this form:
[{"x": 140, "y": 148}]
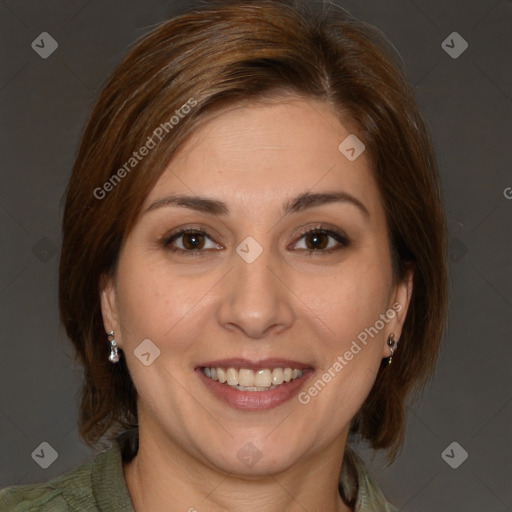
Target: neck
[{"x": 171, "y": 480}]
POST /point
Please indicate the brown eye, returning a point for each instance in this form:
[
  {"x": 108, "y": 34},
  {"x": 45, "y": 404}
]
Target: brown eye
[
  {"x": 316, "y": 241},
  {"x": 192, "y": 241},
  {"x": 321, "y": 240}
]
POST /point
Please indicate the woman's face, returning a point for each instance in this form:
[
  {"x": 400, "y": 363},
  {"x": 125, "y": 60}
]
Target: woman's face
[{"x": 262, "y": 248}]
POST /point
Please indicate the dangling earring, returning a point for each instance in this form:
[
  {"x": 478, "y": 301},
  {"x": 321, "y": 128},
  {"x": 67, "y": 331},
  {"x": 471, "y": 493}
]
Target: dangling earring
[
  {"x": 392, "y": 346},
  {"x": 114, "y": 355}
]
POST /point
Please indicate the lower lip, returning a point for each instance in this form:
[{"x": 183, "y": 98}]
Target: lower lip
[{"x": 255, "y": 400}]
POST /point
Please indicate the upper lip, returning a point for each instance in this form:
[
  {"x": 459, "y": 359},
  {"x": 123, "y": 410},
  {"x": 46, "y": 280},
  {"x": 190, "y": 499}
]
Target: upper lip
[{"x": 240, "y": 362}]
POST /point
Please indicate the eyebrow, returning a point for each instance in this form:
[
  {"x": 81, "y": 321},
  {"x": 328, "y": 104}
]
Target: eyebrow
[{"x": 299, "y": 203}]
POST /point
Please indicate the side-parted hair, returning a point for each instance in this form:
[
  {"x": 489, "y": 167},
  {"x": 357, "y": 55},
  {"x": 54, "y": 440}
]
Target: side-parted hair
[{"x": 172, "y": 81}]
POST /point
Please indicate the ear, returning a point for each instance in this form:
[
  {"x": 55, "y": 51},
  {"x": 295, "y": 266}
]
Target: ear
[
  {"x": 399, "y": 304},
  {"x": 109, "y": 310}
]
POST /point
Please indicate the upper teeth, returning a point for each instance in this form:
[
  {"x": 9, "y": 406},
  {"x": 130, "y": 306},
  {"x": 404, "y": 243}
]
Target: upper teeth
[{"x": 245, "y": 378}]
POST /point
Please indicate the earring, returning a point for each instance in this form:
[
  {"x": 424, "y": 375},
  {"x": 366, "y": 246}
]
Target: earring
[
  {"x": 392, "y": 346},
  {"x": 114, "y": 355}
]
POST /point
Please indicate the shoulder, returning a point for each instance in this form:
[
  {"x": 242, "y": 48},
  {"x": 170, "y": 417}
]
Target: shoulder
[
  {"x": 70, "y": 492},
  {"x": 56, "y": 495},
  {"x": 358, "y": 486}
]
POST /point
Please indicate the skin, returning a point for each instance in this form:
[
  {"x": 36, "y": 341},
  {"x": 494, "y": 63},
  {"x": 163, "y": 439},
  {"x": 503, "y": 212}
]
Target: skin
[{"x": 210, "y": 304}]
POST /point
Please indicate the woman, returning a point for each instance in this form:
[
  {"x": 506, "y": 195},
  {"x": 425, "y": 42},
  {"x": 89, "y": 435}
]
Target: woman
[{"x": 252, "y": 267}]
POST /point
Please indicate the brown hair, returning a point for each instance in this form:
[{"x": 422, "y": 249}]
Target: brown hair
[{"x": 211, "y": 58}]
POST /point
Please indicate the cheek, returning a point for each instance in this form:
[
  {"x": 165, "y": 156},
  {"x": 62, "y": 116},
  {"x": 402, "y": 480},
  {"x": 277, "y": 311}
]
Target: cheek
[
  {"x": 349, "y": 301},
  {"x": 160, "y": 305},
  {"x": 344, "y": 310},
  {"x": 345, "y": 317},
  {"x": 144, "y": 307}
]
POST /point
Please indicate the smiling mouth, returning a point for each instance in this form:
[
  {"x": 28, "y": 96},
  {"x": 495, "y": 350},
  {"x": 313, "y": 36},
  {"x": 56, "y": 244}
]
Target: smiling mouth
[{"x": 245, "y": 379}]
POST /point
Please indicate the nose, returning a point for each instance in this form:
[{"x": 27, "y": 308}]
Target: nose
[{"x": 254, "y": 300}]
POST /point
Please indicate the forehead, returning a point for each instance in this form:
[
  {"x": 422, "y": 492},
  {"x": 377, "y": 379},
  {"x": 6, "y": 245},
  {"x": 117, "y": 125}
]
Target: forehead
[{"x": 268, "y": 150}]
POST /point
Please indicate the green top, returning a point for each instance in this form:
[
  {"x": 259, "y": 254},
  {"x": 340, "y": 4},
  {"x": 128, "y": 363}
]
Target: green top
[{"x": 99, "y": 485}]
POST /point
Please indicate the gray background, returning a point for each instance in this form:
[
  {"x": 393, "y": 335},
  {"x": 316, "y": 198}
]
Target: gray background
[{"x": 44, "y": 104}]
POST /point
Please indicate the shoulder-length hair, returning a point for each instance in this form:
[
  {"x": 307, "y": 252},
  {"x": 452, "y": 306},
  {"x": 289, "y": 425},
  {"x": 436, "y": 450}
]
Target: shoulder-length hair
[{"x": 209, "y": 59}]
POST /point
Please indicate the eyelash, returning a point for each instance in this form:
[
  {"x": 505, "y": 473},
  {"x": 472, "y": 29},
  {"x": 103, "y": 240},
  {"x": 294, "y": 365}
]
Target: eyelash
[
  {"x": 339, "y": 236},
  {"x": 171, "y": 238}
]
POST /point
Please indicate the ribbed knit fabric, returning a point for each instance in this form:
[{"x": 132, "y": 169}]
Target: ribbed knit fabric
[{"x": 99, "y": 486}]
